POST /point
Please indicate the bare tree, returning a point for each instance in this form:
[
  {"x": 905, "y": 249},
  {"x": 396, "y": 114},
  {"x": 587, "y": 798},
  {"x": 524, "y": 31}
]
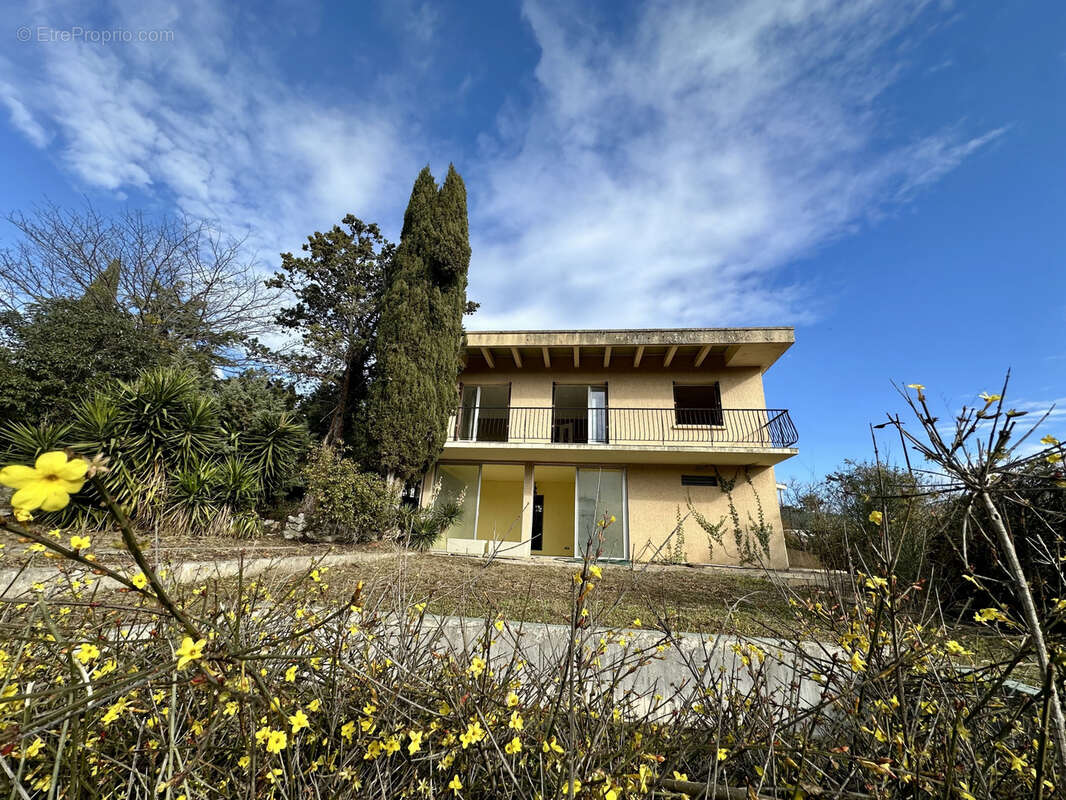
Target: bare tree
[{"x": 178, "y": 274}]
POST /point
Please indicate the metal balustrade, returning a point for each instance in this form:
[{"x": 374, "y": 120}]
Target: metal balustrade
[{"x": 747, "y": 427}]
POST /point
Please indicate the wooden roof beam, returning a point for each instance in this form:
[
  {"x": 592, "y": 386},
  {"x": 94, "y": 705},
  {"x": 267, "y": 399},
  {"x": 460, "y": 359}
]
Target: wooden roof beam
[{"x": 488, "y": 357}]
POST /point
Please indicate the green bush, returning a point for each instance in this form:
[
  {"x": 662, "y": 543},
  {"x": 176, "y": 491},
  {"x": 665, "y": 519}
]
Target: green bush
[
  {"x": 346, "y": 503},
  {"x": 170, "y": 459}
]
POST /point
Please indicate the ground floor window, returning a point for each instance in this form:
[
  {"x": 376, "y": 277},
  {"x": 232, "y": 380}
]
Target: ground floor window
[
  {"x": 461, "y": 480},
  {"x": 568, "y": 504},
  {"x": 601, "y": 495}
]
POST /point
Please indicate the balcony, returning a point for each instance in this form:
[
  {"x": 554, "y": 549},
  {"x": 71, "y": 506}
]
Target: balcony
[{"x": 549, "y": 430}]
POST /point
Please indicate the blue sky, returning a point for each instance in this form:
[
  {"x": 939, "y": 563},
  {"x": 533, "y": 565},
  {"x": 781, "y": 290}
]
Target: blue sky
[{"x": 888, "y": 177}]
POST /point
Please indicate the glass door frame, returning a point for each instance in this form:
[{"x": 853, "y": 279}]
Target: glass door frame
[{"x": 578, "y": 553}]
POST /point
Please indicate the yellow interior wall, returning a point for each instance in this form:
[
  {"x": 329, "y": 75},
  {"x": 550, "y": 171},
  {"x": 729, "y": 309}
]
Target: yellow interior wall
[
  {"x": 500, "y": 508},
  {"x": 558, "y": 516}
]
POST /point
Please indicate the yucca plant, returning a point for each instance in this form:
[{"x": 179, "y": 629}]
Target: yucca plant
[
  {"x": 22, "y": 442},
  {"x": 275, "y": 445}
]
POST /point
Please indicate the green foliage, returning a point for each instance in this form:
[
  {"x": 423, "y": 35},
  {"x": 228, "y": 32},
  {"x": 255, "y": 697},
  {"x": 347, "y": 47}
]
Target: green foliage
[
  {"x": 420, "y": 528},
  {"x": 420, "y": 332},
  {"x": 58, "y": 351},
  {"x": 836, "y": 516},
  {"x": 344, "y": 502},
  {"x": 338, "y": 287},
  {"x": 751, "y": 538},
  {"x": 169, "y": 458}
]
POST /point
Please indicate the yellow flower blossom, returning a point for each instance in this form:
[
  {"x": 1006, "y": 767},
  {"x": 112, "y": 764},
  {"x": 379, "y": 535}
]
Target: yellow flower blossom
[
  {"x": 314, "y": 705},
  {"x": 552, "y": 746},
  {"x": 35, "y": 748},
  {"x": 86, "y": 652},
  {"x": 348, "y": 730},
  {"x": 139, "y": 580},
  {"x": 596, "y": 572},
  {"x": 512, "y": 700},
  {"x": 290, "y": 674},
  {"x": 80, "y": 542},
  {"x": 1049, "y": 439},
  {"x": 190, "y": 651},
  {"x": 477, "y": 666},
  {"x": 276, "y": 741},
  {"x": 989, "y": 398},
  {"x": 516, "y": 723},
  {"x": 513, "y": 746},
  {"x": 48, "y": 484},
  {"x": 876, "y": 517},
  {"x": 416, "y": 741},
  {"x": 723, "y": 753},
  {"x": 455, "y": 784},
  {"x": 298, "y": 721}
]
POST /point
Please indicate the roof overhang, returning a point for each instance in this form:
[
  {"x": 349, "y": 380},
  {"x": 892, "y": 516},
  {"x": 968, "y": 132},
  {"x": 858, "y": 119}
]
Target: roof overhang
[{"x": 662, "y": 347}]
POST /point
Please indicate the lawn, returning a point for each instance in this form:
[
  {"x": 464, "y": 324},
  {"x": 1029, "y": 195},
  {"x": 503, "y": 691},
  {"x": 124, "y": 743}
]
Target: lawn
[{"x": 685, "y": 599}]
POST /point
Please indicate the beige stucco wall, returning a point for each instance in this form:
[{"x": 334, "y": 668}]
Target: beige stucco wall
[
  {"x": 656, "y": 495},
  {"x": 627, "y": 387}
]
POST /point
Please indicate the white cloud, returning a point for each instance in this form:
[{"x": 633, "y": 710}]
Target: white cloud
[
  {"x": 662, "y": 175},
  {"x": 205, "y": 123},
  {"x": 665, "y": 174}
]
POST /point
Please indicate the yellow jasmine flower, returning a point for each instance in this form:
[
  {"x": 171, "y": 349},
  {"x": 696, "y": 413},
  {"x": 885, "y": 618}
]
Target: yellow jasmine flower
[
  {"x": 551, "y": 746},
  {"x": 455, "y": 784},
  {"x": 86, "y": 652},
  {"x": 596, "y": 572},
  {"x": 512, "y": 700},
  {"x": 298, "y": 721},
  {"x": 314, "y": 705},
  {"x": 392, "y": 745},
  {"x": 857, "y": 664},
  {"x": 416, "y": 742},
  {"x": 875, "y": 517},
  {"x": 1049, "y": 439},
  {"x": 477, "y": 666},
  {"x": 34, "y": 748},
  {"x": 190, "y": 651},
  {"x": 516, "y": 723},
  {"x": 348, "y": 730},
  {"x": 988, "y": 398},
  {"x": 290, "y": 674},
  {"x": 139, "y": 580},
  {"x": 48, "y": 484},
  {"x": 957, "y": 649},
  {"x": 80, "y": 542},
  {"x": 513, "y": 746},
  {"x": 276, "y": 741}
]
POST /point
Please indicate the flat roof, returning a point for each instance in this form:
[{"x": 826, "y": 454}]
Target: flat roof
[{"x": 731, "y": 347}]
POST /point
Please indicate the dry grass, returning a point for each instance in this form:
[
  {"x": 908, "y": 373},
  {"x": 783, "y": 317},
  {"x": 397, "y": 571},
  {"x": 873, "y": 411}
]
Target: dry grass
[{"x": 674, "y": 597}]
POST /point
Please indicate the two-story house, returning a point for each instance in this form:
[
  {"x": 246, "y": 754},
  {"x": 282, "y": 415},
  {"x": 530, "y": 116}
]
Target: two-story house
[{"x": 557, "y": 428}]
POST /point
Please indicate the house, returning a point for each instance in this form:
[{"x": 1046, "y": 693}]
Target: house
[{"x": 557, "y": 429}]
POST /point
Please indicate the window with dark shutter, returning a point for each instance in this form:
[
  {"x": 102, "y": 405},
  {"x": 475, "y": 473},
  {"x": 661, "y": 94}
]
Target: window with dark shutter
[{"x": 698, "y": 405}]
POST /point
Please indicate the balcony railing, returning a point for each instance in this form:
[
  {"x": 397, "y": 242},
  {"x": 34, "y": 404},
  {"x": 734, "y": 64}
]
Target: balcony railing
[{"x": 747, "y": 427}]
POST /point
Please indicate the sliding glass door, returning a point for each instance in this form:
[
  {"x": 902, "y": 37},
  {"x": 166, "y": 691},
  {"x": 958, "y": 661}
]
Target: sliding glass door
[
  {"x": 580, "y": 414},
  {"x": 484, "y": 415},
  {"x": 600, "y": 494}
]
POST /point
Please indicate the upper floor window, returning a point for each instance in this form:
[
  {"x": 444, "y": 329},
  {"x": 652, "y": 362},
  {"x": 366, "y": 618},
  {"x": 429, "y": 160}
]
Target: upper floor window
[
  {"x": 698, "y": 405},
  {"x": 484, "y": 413},
  {"x": 579, "y": 413}
]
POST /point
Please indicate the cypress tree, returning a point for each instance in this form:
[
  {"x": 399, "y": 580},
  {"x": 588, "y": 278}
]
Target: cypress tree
[{"x": 419, "y": 340}]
